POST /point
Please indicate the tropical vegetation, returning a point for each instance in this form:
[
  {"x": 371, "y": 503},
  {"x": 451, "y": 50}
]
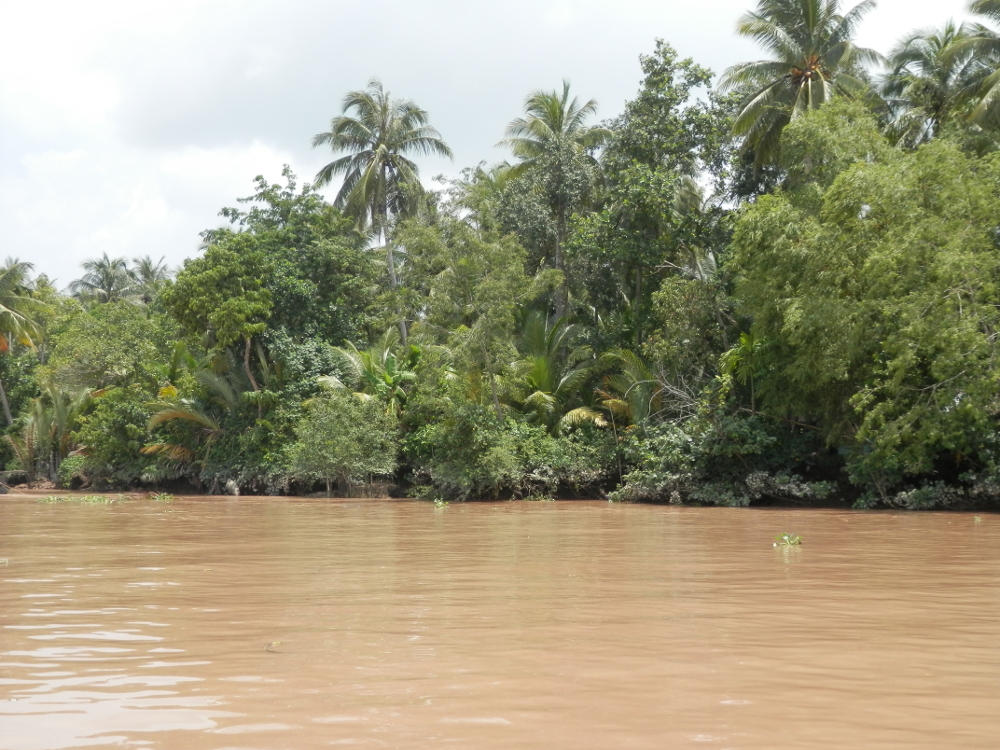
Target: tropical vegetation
[{"x": 781, "y": 286}]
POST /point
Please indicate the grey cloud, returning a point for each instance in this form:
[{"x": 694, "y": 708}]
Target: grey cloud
[
  {"x": 277, "y": 74},
  {"x": 212, "y": 93}
]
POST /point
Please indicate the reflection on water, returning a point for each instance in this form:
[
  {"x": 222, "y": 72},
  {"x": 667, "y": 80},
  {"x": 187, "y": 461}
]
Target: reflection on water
[{"x": 211, "y": 624}]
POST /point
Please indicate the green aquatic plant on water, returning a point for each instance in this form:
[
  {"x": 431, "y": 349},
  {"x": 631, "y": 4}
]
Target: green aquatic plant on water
[
  {"x": 787, "y": 540},
  {"x": 161, "y": 497},
  {"x": 85, "y": 499},
  {"x": 538, "y": 497}
]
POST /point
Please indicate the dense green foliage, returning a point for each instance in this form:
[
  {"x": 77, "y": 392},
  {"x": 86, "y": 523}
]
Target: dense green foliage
[
  {"x": 346, "y": 439},
  {"x": 784, "y": 290}
]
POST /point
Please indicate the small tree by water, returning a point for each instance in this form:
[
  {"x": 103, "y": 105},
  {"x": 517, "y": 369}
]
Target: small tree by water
[{"x": 345, "y": 439}]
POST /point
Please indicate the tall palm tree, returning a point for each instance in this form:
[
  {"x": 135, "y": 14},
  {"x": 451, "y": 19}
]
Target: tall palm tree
[
  {"x": 813, "y": 59},
  {"x": 932, "y": 72},
  {"x": 106, "y": 280},
  {"x": 19, "y": 313},
  {"x": 479, "y": 190},
  {"x": 150, "y": 275},
  {"x": 984, "y": 43},
  {"x": 379, "y": 134},
  {"x": 553, "y": 137}
]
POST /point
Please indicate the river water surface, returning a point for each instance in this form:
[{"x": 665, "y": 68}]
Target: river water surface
[{"x": 263, "y": 624}]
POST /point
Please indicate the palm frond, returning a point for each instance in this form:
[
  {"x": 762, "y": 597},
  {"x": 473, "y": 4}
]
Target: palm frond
[{"x": 377, "y": 132}]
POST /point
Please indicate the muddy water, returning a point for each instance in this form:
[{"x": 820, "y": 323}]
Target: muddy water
[{"x": 271, "y": 624}]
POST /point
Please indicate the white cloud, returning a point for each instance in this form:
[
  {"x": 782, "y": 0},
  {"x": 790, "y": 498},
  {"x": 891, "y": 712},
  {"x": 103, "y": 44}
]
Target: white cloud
[
  {"x": 125, "y": 126},
  {"x": 71, "y": 205}
]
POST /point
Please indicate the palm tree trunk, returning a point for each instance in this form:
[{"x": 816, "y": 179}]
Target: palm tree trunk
[
  {"x": 390, "y": 261},
  {"x": 562, "y": 293},
  {"x": 6, "y": 405}
]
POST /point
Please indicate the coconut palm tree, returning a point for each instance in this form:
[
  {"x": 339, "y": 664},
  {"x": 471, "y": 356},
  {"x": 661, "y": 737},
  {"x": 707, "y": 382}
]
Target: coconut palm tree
[
  {"x": 554, "y": 139},
  {"x": 984, "y": 44},
  {"x": 813, "y": 59},
  {"x": 479, "y": 191},
  {"x": 379, "y": 134},
  {"x": 150, "y": 275},
  {"x": 19, "y": 314},
  {"x": 932, "y": 73},
  {"x": 106, "y": 280}
]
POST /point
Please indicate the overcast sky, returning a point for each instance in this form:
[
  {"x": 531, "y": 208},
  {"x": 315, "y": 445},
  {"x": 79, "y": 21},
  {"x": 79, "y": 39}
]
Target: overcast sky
[{"x": 125, "y": 126}]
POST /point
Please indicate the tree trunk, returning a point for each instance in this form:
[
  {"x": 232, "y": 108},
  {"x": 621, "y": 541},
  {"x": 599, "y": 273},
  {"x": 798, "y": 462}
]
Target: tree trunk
[
  {"x": 496, "y": 398},
  {"x": 562, "y": 293},
  {"x": 246, "y": 364},
  {"x": 637, "y": 306},
  {"x": 722, "y": 325},
  {"x": 390, "y": 259},
  {"x": 249, "y": 372},
  {"x": 6, "y": 405},
  {"x": 493, "y": 385},
  {"x": 391, "y": 262}
]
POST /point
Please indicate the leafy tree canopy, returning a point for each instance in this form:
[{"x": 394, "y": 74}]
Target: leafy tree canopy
[{"x": 875, "y": 288}]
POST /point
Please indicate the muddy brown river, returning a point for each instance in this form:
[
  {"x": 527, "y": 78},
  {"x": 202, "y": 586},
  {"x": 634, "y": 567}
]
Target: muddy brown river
[{"x": 271, "y": 624}]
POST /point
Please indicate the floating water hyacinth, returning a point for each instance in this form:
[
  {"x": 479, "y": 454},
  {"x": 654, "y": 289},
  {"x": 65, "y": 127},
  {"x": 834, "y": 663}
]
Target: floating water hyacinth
[
  {"x": 86, "y": 499},
  {"x": 787, "y": 540}
]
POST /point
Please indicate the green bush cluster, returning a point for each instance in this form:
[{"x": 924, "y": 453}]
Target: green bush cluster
[
  {"x": 464, "y": 452},
  {"x": 723, "y": 460}
]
